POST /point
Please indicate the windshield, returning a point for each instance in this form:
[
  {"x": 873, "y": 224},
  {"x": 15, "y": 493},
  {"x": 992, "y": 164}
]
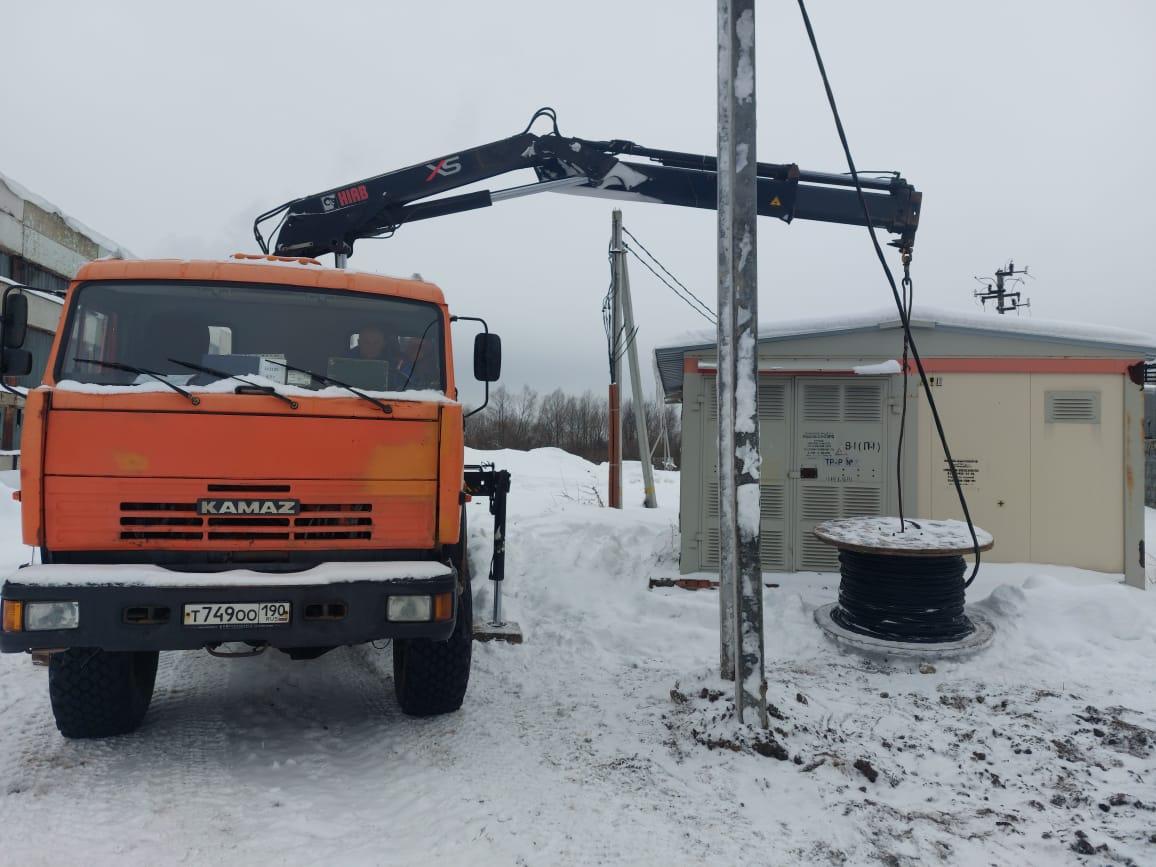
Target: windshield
[{"x": 282, "y": 334}]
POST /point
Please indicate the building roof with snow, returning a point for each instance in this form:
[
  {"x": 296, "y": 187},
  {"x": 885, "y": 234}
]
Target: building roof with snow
[
  {"x": 937, "y": 331},
  {"x": 42, "y": 246}
]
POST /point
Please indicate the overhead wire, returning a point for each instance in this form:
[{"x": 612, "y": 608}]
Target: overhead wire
[
  {"x": 694, "y": 301},
  {"x": 904, "y": 313}
]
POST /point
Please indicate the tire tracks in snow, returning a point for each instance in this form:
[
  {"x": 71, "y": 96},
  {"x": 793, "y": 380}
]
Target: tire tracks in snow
[{"x": 136, "y": 791}]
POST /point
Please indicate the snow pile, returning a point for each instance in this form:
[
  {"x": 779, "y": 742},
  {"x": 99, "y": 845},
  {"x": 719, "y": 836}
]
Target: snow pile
[{"x": 608, "y": 738}]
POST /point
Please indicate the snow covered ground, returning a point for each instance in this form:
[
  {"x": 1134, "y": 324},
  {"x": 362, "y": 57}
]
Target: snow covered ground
[{"x": 607, "y": 738}]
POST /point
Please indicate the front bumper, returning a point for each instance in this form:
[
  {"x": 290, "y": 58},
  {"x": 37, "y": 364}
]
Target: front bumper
[{"x": 106, "y": 594}]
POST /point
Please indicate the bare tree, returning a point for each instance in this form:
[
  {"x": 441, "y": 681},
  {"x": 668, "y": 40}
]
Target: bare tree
[{"x": 575, "y": 423}]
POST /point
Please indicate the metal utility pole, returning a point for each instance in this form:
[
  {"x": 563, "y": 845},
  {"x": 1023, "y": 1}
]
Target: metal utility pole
[
  {"x": 725, "y": 379},
  {"x": 740, "y": 578},
  {"x": 622, "y": 293}
]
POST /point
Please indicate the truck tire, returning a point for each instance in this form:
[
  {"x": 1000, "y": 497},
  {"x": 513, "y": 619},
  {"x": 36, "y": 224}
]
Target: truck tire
[
  {"x": 99, "y": 693},
  {"x": 430, "y": 677}
]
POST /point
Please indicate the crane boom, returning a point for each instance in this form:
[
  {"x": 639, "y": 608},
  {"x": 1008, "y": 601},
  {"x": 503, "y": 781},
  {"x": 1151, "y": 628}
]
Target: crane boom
[{"x": 333, "y": 220}]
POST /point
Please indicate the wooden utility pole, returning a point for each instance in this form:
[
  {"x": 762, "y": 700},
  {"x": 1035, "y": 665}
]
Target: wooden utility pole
[{"x": 740, "y": 578}]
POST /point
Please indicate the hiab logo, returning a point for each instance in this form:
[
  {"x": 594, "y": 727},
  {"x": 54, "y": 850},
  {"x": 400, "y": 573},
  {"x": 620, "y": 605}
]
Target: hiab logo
[
  {"x": 352, "y": 196},
  {"x": 444, "y": 167}
]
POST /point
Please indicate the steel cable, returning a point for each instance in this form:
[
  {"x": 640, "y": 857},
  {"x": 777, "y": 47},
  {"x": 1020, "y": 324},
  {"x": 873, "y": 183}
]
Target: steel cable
[{"x": 904, "y": 313}]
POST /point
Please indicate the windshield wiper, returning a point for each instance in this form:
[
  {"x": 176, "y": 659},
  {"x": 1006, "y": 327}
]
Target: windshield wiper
[
  {"x": 220, "y": 374},
  {"x": 328, "y": 380},
  {"x": 140, "y": 371}
]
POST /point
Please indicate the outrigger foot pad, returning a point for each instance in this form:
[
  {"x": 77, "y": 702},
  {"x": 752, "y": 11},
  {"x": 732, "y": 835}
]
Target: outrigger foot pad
[{"x": 509, "y": 632}]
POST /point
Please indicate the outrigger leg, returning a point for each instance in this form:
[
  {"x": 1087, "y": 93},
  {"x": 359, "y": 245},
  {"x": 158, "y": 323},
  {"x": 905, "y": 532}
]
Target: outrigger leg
[{"x": 485, "y": 481}]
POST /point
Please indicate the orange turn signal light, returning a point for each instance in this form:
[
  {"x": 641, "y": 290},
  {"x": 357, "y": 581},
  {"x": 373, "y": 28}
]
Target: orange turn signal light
[
  {"x": 301, "y": 260},
  {"x": 13, "y": 616},
  {"x": 443, "y": 607}
]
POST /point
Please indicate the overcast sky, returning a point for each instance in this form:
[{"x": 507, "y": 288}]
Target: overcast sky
[{"x": 1028, "y": 126}]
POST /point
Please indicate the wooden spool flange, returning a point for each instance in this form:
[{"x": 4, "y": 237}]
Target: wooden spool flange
[{"x": 921, "y": 537}]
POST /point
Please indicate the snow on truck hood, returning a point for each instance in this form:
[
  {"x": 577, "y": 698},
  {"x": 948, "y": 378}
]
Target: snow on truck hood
[{"x": 226, "y": 386}]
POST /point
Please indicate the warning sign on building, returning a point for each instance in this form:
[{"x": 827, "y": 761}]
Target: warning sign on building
[{"x": 967, "y": 469}]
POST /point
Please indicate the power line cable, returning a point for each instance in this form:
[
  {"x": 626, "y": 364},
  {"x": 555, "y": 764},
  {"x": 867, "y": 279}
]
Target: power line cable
[
  {"x": 709, "y": 317},
  {"x": 666, "y": 270}
]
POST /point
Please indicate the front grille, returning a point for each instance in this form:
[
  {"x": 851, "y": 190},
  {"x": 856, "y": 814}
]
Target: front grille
[{"x": 160, "y": 521}]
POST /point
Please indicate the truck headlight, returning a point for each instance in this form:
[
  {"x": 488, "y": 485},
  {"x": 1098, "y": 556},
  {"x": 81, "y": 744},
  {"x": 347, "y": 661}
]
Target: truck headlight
[
  {"x": 43, "y": 616},
  {"x": 410, "y": 609}
]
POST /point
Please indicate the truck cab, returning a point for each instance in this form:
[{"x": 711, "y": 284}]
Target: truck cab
[{"x": 257, "y": 453}]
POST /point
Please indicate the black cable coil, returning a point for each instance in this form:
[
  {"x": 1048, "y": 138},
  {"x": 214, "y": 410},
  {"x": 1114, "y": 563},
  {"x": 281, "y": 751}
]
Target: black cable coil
[{"x": 912, "y": 599}]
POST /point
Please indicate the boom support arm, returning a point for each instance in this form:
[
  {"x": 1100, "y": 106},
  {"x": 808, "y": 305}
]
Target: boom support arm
[{"x": 330, "y": 222}]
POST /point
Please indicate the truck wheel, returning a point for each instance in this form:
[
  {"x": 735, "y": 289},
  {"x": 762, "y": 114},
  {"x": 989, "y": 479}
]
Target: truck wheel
[
  {"x": 430, "y": 677},
  {"x": 99, "y": 693}
]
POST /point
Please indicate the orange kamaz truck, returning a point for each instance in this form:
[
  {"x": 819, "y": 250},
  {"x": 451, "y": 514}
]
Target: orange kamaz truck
[
  {"x": 237, "y": 455},
  {"x": 270, "y": 452}
]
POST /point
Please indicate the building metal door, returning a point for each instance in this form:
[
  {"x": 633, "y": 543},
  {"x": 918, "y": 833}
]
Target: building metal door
[
  {"x": 775, "y": 401},
  {"x": 839, "y": 465},
  {"x": 822, "y": 444}
]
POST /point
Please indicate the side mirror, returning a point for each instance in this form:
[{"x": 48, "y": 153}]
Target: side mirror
[
  {"x": 15, "y": 362},
  {"x": 15, "y": 317},
  {"x": 487, "y": 357}
]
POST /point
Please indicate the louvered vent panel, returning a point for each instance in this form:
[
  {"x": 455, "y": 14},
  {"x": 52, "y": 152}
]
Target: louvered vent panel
[
  {"x": 772, "y": 500},
  {"x": 821, "y": 401},
  {"x": 819, "y": 504},
  {"x": 817, "y": 556},
  {"x": 712, "y": 500},
  {"x": 858, "y": 502},
  {"x": 772, "y": 551},
  {"x": 710, "y": 550},
  {"x": 1079, "y": 407},
  {"x": 863, "y": 402},
  {"x": 772, "y": 401},
  {"x": 711, "y": 397}
]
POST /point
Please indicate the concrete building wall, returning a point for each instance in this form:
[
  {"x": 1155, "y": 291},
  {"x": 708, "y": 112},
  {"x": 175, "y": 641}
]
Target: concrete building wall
[
  {"x": 33, "y": 229},
  {"x": 41, "y": 248}
]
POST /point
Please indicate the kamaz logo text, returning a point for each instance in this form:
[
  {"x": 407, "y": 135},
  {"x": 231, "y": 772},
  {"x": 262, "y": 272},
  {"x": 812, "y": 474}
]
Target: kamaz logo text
[
  {"x": 352, "y": 196},
  {"x": 444, "y": 167},
  {"x": 248, "y": 507}
]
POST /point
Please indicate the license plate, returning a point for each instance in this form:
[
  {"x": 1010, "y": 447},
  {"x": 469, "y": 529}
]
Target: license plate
[{"x": 237, "y": 614}]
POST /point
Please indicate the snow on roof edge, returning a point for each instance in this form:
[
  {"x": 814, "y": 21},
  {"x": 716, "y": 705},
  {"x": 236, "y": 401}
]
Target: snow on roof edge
[
  {"x": 929, "y": 316},
  {"x": 117, "y": 250}
]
